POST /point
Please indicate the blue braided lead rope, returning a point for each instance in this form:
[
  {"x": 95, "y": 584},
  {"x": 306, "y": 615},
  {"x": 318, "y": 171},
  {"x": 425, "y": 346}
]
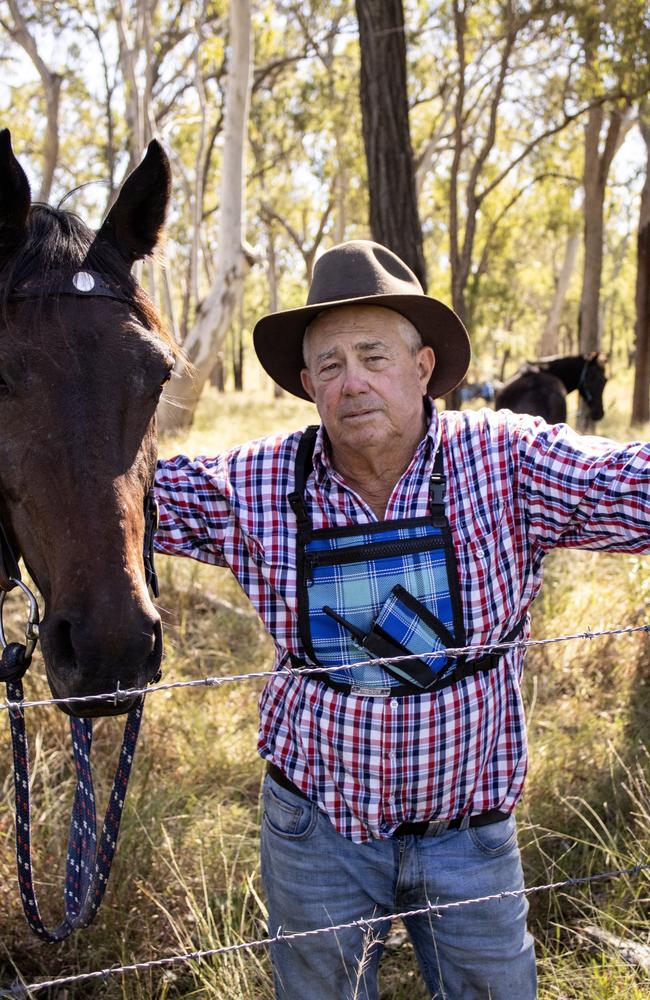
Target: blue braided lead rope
[{"x": 88, "y": 863}]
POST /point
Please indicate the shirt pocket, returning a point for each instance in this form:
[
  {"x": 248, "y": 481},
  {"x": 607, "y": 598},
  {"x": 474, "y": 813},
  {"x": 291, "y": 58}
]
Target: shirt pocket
[{"x": 480, "y": 529}]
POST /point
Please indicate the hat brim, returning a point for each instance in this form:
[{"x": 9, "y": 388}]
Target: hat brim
[{"x": 278, "y": 339}]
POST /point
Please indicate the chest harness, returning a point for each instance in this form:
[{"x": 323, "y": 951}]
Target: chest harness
[{"x": 387, "y": 588}]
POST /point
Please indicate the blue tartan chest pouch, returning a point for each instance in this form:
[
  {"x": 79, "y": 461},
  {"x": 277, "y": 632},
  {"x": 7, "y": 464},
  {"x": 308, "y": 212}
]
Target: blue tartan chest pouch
[{"x": 380, "y": 590}]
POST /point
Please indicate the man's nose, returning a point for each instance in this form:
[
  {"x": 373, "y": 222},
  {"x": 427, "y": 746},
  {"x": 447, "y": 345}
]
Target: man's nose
[{"x": 355, "y": 380}]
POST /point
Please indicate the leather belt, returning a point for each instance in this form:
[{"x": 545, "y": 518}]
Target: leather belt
[{"x": 423, "y": 828}]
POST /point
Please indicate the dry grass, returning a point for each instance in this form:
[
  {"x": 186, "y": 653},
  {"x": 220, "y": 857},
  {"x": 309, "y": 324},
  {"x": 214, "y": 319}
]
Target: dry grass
[{"x": 186, "y": 875}]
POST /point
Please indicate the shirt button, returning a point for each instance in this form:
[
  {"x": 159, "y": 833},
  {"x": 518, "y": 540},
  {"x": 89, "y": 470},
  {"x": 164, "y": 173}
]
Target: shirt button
[{"x": 394, "y": 703}]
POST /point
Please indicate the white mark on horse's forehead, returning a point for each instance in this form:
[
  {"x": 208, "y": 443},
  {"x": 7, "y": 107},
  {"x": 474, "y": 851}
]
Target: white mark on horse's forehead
[{"x": 83, "y": 281}]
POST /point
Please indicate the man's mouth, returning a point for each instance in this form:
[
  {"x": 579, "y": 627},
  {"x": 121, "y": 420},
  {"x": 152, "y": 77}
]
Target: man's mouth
[{"x": 357, "y": 414}]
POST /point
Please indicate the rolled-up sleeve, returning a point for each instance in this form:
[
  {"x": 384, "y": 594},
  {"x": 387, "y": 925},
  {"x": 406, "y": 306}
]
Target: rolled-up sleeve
[
  {"x": 580, "y": 491},
  {"x": 196, "y": 517}
]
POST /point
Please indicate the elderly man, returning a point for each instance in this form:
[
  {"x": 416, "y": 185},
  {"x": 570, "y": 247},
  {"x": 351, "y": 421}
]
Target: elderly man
[{"x": 395, "y": 532}]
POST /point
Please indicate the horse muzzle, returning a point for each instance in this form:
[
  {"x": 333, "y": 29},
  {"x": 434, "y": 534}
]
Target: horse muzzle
[{"x": 95, "y": 666}]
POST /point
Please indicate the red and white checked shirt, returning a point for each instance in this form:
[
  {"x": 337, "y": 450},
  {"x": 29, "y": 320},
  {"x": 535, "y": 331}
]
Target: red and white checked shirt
[{"x": 516, "y": 488}]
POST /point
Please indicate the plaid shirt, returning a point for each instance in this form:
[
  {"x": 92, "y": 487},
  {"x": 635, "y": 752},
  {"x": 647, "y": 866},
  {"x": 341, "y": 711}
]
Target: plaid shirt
[{"x": 516, "y": 488}]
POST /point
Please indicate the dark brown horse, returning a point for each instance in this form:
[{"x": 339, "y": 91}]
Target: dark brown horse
[
  {"x": 540, "y": 387},
  {"x": 83, "y": 357}
]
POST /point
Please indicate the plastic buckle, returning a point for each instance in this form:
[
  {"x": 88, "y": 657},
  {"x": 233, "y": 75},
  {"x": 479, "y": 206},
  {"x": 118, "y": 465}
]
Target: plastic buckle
[{"x": 437, "y": 488}]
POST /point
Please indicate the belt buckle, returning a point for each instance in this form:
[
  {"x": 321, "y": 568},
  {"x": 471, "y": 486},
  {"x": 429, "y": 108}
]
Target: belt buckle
[{"x": 435, "y": 828}]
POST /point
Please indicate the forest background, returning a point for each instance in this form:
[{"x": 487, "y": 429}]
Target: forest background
[{"x": 502, "y": 149}]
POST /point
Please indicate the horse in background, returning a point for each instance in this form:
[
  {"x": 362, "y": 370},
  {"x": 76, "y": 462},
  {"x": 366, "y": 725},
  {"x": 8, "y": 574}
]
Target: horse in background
[
  {"x": 83, "y": 358},
  {"x": 540, "y": 387}
]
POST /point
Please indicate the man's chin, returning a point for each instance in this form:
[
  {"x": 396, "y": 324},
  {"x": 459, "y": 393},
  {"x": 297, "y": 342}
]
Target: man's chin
[{"x": 365, "y": 433}]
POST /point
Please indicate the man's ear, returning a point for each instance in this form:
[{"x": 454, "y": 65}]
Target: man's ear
[
  {"x": 308, "y": 384},
  {"x": 426, "y": 362}
]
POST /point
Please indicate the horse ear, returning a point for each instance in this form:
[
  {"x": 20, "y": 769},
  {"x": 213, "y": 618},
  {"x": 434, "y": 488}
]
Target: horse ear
[
  {"x": 15, "y": 197},
  {"x": 135, "y": 223}
]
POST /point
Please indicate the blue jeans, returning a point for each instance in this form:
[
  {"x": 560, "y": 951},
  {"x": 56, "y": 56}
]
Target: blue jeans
[{"x": 313, "y": 877}]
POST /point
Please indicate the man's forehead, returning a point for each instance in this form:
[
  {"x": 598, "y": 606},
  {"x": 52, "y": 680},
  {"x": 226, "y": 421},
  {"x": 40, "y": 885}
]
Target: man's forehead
[{"x": 356, "y": 317}]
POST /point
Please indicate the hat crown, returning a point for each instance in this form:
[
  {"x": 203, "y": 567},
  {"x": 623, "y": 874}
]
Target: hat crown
[{"x": 359, "y": 268}]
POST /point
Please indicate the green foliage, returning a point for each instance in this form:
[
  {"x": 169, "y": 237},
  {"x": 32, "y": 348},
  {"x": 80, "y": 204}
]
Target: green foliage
[{"x": 306, "y": 178}]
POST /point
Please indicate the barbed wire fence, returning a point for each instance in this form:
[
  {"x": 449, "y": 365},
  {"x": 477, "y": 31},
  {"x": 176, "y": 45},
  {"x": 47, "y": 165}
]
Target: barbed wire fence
[
  {"x": 21, "y": 989},
  {"x": 365, "y": 924},
  {"x": 123, "y": 694}
]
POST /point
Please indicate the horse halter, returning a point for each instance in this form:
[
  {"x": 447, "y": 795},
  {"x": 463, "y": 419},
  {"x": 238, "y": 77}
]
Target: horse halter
[
  {"x": 82, "y": 284},
  {"x": 89, "y": 858},
  {"x": 583, "y": 388}
]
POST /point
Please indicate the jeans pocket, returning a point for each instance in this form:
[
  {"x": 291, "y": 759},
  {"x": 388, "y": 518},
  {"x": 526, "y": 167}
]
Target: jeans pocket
[
  {"x": 495, "y": 839},
  {"x": 287, "y": 814}
]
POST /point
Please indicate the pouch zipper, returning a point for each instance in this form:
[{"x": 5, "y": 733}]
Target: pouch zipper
[{"x": 377, "y": 550}]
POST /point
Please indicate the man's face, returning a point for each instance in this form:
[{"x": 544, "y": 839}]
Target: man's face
[{"x": 365, "y": 377}]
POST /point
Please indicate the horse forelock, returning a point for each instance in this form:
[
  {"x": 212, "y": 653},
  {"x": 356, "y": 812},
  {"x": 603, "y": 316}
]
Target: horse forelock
[{"x": 58, "y": 241}]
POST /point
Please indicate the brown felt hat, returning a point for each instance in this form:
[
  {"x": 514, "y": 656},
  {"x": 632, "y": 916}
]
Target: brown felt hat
[{"x": 363, "y": 273}]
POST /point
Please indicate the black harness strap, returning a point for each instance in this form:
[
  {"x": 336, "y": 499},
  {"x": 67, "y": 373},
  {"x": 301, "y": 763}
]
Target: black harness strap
[
  {"x": 9, "y": 568},
  {"x": 303, "y": 466}
]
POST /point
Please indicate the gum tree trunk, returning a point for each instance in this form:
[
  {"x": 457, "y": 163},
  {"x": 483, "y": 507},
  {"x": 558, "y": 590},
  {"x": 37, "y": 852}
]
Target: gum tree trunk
[
  {"x": 548, "y": 343},
  {"x": 394, "y": 219},
  {"x": 215, "y": 315},
  {"x": 596, "y": 170},
  {"x": 641, "y": 394},
  {"x": 51, "y": 83}
]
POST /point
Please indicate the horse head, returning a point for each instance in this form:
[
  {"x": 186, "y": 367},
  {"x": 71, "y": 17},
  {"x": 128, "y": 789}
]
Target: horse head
[
  {"x": 83, "y": 358},
  {"x": 591, "y": 384}
]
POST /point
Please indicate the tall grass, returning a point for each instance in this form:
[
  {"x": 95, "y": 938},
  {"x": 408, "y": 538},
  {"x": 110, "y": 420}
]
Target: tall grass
[{"x": 186, "y": 875}]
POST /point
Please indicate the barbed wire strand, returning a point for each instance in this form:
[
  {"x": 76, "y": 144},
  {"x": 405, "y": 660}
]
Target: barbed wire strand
[
  {"x": 281, "y": 936},
  {"x": 125, "y": 694}
]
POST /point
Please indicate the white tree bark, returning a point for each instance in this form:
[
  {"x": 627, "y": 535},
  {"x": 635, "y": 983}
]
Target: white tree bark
[
  {"x": 134, "y": 38},
  {"x": 548, "y": 343},
  {"x": 51, "y": 82},
  {"x": 216, "y": 312},
  {"x": 597, "y": 162},
  {"x": 641, "y": 393}
]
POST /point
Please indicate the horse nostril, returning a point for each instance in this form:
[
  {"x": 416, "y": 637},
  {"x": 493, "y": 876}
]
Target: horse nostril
[
  {"x": 61, "y": 639},
  {"x": 95, "y": 646}
]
